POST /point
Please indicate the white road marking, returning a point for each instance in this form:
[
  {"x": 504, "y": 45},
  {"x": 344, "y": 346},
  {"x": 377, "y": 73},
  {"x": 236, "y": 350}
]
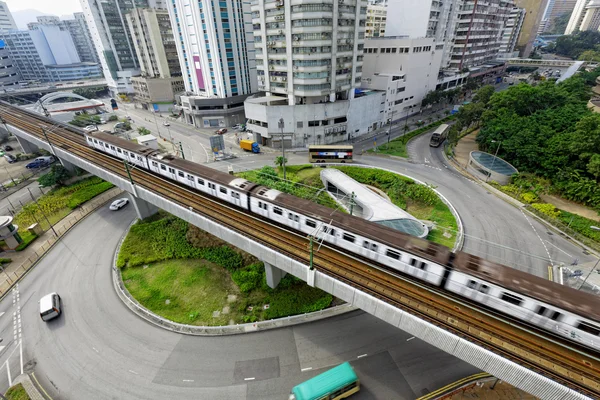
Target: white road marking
[
  {"x": 410, "y": 338},
  {"x": 539, "y": 237},
  {"x": 133, "y": 372},
  {"x": 2, "y": 348},
  {"x": 249, "y": 379},
  {"x": 96, "y": 350},
  {"x": 188, "y": 380},
  {"x": 306, "y": 369},
  {"x": 361, "y": 356},
  {"x": 1, "y": 313},
  {"x": 556, "y": 247}
]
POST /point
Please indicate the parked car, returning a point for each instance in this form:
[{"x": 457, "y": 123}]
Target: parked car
[
  {"x": 10, "y": 158},
  {"x": 166, "y": 123},
  {"x": 118, "y": 204},
  {"x": 40, "y": 162},
  {"x": 221, "y": 131},
  {"x": 8, "y": 148}
]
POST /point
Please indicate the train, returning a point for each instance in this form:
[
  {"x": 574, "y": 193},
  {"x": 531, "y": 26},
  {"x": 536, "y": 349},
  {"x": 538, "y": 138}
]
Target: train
[{"x": 562, "y": 311}]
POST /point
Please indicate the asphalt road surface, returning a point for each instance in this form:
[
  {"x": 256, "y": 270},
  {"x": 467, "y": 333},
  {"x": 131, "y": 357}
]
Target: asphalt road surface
[{"x": 98, "y": 349}]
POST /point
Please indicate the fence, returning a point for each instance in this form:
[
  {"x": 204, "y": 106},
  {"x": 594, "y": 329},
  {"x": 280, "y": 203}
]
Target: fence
[{"x": 61, "y": 228}]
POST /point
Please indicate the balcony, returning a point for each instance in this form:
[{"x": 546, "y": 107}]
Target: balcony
[
  {"x": 311, "y": 68},
  {"x": 311, "y": 81},
  {"x": 311, "y": 56},
  {"x": 312, "y": 29}
]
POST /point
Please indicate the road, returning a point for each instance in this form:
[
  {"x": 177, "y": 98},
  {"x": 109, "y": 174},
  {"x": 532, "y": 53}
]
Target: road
[{"x": 98, "y": 349}]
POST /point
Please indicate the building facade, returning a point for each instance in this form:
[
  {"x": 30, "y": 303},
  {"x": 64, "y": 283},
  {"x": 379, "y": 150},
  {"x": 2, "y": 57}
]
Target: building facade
[
  {"x": 309, "y": 61},
  {"x": 555, "y": 9},
  {"x": 577, "y": 17},
  {"x": 216, "y": 52},
  {"x": 82, "y": 38},
  {"x": 155, "y": 48},
  {"x": 7, "y": 22},
  {"x": 376, "y": 20},
  {"x": 405, "y": 69},
  {"x": 511, "y": 32},
  {"x": 113, "y": 42},
  {"x": 470, "y": 30},
  {"x": 48, "y": 54},
  {"x": 9, "y": 74},
  {"x": 534, "y": 12}
]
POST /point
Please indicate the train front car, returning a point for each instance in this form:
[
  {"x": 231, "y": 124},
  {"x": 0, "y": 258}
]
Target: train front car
[
  {"x": 120, "y": 148},
  {"x": 569, "y": 313}
]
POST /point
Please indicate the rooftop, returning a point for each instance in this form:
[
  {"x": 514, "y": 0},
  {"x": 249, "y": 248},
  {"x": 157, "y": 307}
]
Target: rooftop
[{"x": 493, "y": 163}]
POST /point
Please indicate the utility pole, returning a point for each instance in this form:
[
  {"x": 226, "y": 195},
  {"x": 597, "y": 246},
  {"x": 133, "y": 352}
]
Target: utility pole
[
  {"x": 311, "y": 266},
  {"x": 156, "y": 122},
  {"x": 49, "y": 142},
  {"x": 128, "y": 172},
  {"x": 494, "y": 160},
  {"x": 391, "y": 122},
  {"x": 281, "y": 126},
  {"x": 352, "y": 203}
]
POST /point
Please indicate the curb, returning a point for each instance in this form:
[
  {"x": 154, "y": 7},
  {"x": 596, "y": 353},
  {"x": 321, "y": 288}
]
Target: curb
[
  {"x": 224, "y": 330},
  {"x": 453, "y": 387},
  {"x": 54, "y": 241}
]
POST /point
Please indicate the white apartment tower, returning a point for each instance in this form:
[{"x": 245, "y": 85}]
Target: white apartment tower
[
  {"x": 585, "y": 17},
  {"x": 215, "y": 46},
  {"x": 309, "y": 51},
  {"x": 6, "y": 19},
  {"x": 511, "y": 32}
]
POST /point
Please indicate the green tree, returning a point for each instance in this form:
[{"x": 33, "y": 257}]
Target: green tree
[
  {"x": 593, "y": 166},
  {"x": 57, "y": 176},
  {"x": 143, "y": 131},
  {"x": 279, "y": 161}
]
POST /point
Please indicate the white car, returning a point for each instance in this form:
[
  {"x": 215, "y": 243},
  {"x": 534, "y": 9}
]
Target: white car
[
  {"x": 90, "y": 128},
  {"x": 166, "y": 123},
  {"x": 118, "y": 204}
]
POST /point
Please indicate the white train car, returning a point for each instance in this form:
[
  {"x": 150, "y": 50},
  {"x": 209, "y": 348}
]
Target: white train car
[{"x": 125, "y": 150}]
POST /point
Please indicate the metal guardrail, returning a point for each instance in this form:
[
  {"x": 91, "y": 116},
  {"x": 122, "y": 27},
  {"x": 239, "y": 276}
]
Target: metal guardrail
[{"x": 157, "y": 320}]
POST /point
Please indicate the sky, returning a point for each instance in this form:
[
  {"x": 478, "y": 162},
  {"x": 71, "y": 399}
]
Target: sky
[{"x": 53, "y": 7}]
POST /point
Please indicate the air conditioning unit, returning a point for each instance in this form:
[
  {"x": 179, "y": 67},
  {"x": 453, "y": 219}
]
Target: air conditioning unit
[
  {"x": 279, "y": 17},
  {"x": 341, "y": 1},
  {"x": 296, "y": 38},
  {"x": 281, "y": 32},
  {"x": 284, "y": 79},
  {"x": 296, "y": 67}
]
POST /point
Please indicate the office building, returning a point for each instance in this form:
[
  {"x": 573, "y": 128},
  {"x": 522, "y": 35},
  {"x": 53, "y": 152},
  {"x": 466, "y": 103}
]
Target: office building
[
  {"x": 470, "y": 31},
  {"x": 577, "y": 17},
  {"x": 215, "y": 47},
  {"x": 9, "y": 74},
  {"x": 78, "y": 30},
  {"x": 309, "y": 61},
  {"x": 156, "y": 52},
  {"x": 113, "y": 42},
  {"x": 534, "y": 11},
  {"x": 511, "y": 32},
  {"x": 406, "y": 69},
  {"x": 47, "y": 54},
  {"x": 7, "y": 22},
  {"x": 376, "y": 19}
]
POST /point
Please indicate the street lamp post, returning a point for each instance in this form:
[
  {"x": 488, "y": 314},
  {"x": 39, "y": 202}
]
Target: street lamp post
[
  {"x": 391, "y": 123},
  {"x": 156, "y": 122},
  {"x": 494, "y": 160},
  {"x": 281, "y": 125}
]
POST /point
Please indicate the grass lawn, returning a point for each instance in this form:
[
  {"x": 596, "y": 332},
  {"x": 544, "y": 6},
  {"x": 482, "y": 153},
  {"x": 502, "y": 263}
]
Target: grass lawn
[
  {"x": 158, "y": 264},
  {"x": 17, "y": 392},
  {"x": 57, "y": 204}
]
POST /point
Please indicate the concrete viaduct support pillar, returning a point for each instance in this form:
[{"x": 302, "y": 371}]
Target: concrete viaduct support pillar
[
  {"x": 274, "y": 275},
  {"x": 68, "y": 166},
  {"x": 27, "y": 147},
  {"x": 142, "y": 207}
]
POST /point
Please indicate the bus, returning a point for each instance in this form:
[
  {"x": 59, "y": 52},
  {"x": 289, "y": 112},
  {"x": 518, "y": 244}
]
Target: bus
[
  {"x": 439, "y": 135},
  {"x": 330, "y": 153},
  {"x": 337, "y": 383}
]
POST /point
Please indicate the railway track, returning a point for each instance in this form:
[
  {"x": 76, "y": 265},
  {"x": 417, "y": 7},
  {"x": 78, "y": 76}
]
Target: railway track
[{"x": 551, "y": 359}]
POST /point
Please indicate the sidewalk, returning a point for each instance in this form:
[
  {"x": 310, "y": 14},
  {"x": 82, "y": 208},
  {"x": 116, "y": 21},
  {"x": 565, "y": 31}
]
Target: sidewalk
[{"x": 24, "y": 260}]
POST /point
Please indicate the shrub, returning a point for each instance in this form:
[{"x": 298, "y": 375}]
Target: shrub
[
  {"x": 57, "y": 176},
  {"x": 5, "y": 260},
  {"x": 113, "y": 118},
  {"x": 547, "y": 209},
  {"x": 249, "y": 278},
  {"x": 27, "y": 238},
  {"x": 529, "y": 197},
  {"x": 143, "y": 131}
]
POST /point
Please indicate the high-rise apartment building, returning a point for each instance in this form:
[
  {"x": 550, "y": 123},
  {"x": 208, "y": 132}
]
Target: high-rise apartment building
[
  {"x": 216, "y": 52},
  {"x": 112, "y": 40},
  {"x": 6, "y": 19},
  {"x": 470, "y": 30},
  {"x": 577, "y": 17},
  {"x": 511, "y": 32},
  {"x": 9, "y": 74},
  {"x": 309, "y": 60},
  {"x": 376, "y": 20},
  {"x": 155, "y": 47}
]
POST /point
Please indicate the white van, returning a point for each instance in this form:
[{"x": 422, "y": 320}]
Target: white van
[{"x": 50, "y": 306}]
